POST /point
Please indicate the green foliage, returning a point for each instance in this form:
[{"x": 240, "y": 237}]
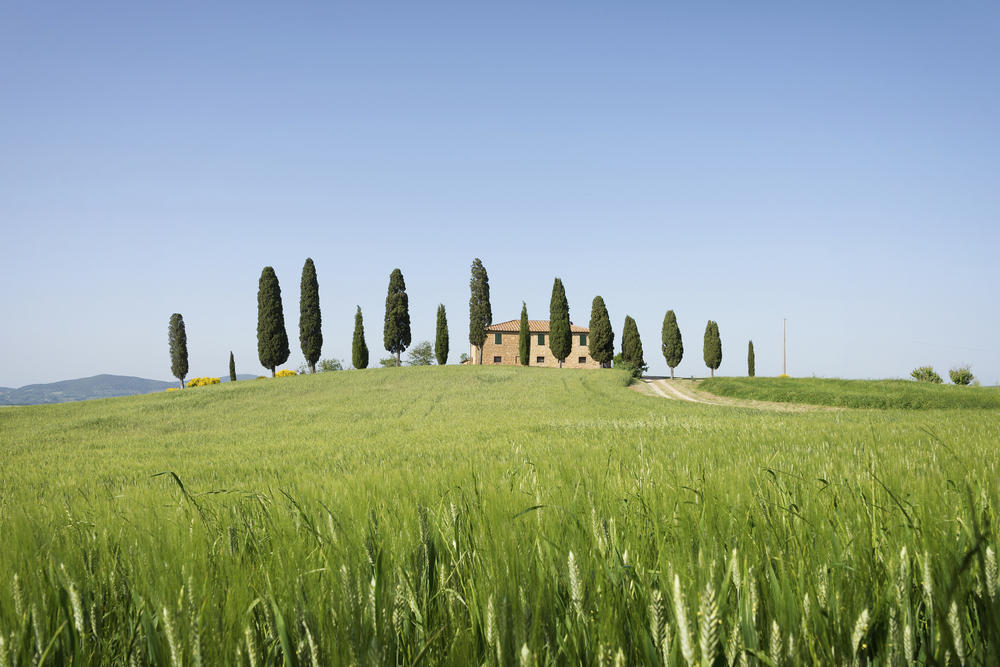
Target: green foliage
[
  {"x": 480, "y": 311},
  {"x": 441, "y": 339},
  {"x": 328, "y": 365},
  {"x": 601, "y": 341},
  {"x": 232, "y": 367},
  {"x": 421, "y": 354},
  {"x": 373, "y": 518},
  {"x": 633, "y": 373},
  {"x": 272, "y": 340},
  {"x": 671, "y": 343},
  {"x": 462, "y": 358},
  {"x": 961, "y": 375},
  {"x": 751, "y": 361},
  {"x": 632, "y": 348},
  {"x": 524, "y": 337},
  {"x": 882, "y": 394},
  {"x": 359, "y": 348},
  {"x": 560, "y": 335},
  {"x": 388, "y": 362},
  {"x": 712, "y": 351},
  {"x": 310, "y": 320},
  {"x": 177, "y": 337},
  {"x": 925, "y": 374},
  {"x": 396, "y": 334}
]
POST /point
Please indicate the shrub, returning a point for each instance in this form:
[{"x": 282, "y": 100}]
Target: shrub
[
  {"x": 285, "y": 373},
  {"x": 633, "y": 371},
  {"x": 961, "y": 375},
  {"x": 202, "y": 382},
  {"x": 328, "y": 365},
  {"x": 925, "y": 374}
]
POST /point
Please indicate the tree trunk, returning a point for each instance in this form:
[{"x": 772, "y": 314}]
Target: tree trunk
[
  {"x": 713, "y": 371},
  {"x": 182, "y": 382},
  {"x": 671, "y": 372},
  {"x": 272, "y": 371},
  {"x": 397, "y": 358},
  {"x": 560, "y": 363},
  {"x": 312, "y": 368},
  {"x": 480, "y": 348}
]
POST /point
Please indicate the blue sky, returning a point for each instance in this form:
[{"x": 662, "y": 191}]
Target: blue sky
[{"x": 837, "y": 166}]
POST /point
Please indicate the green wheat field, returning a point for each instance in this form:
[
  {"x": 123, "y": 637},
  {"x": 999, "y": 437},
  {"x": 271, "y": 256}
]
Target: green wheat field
[{"x": 472, "y": 516}]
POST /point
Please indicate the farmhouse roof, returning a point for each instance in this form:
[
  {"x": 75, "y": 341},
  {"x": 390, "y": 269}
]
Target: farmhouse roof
[{"x": 534, "y": 326}]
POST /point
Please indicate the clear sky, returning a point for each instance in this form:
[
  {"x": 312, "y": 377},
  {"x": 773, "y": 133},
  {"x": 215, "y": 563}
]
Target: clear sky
[{"x": 741, "y": 162}]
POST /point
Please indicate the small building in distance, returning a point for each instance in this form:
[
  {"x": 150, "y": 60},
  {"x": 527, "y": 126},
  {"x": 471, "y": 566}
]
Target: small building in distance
[{"x": 501, "y": 346}]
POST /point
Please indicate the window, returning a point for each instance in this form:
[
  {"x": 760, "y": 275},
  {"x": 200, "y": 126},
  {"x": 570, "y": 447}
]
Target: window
[
  {"x": 583, "y": 360},
  {"x": 497, "y": 338},
  {"x": 541, "y": 339},
  {"x": 583, "y": 339},
  {"x": 539, "y": 360},
  {"x": 497, "y": 360}
]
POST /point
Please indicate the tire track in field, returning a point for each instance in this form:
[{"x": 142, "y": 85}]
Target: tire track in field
[{"x": 685, "y": 391}]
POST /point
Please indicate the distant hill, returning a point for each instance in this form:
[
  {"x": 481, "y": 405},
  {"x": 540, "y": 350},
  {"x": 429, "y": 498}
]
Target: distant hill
[{"x": 85, "y": 389}]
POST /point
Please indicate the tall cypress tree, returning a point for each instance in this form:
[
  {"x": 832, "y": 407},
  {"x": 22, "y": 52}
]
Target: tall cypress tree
[
  {"x": 272, "y": 340},
  {"x": 632, "y": 346},
  {"x": 177, "y": 337},
  {"x": 601, "y": 342},
  {"x": 396, "y": 333},
  {"x": 673, "y": 346},
  {"x": 480, "y": 312},
  {"x": 232, "y": 367},
  {"x": 713, "y": 347},
  {"x": 524, "y": 338},
  {"x": 310, "y": 321},
  {"x": 359, "y": 349},
  {"x": 751, "y": 362},
  {"x": 560, "y": 336},
  {"x": 441, "y": 341}
]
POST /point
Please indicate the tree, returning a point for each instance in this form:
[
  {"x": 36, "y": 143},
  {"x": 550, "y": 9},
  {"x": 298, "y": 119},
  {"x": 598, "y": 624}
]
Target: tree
[
  {"x": 560, "y": 336},
  {"x": 232, "y": 367},
  {"x": 310, "y": 321},
  {"x": 672, "y": 344},
  {"x": 388, "y": 362},
  {"x": 396, "y": 334},
  {"x": 480, "y": 312},
  {"x": 712, "y": 351},
  {"x": 441, "y": 341},
  {"x": 524, "y": 337},
  {"x": 632, "y": 348},
  {"x": 422, "y": 354},
  {"x": 359, "y": 349},
  {"x": 328, "y": 365},
  {"x": 178, "y": 347},
  {"x": 751, "y": 365},
  {"x": 925, "y": 374},
  {"x": 272, "y": 341},
  {"x": 601, "y": 342},
  {"x": 961, "y": 375}
]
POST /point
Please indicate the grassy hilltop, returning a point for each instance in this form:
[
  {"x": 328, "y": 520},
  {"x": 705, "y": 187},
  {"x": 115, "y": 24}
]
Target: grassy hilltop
[{"x": 465, "y": 515}]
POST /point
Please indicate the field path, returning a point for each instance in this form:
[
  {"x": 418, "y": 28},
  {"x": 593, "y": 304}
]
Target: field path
[{"x": 687, "y": 390}]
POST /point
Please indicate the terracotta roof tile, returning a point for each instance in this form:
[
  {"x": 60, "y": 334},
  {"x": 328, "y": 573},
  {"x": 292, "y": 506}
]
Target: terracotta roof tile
[{"x": 534, "y": 326}]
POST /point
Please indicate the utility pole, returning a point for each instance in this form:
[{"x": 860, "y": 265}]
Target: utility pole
[{"x": 784, "y": 343}]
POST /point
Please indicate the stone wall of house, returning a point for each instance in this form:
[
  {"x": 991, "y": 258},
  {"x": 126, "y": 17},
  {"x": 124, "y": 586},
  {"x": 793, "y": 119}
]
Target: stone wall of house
[{"x": 506, "y": 353}]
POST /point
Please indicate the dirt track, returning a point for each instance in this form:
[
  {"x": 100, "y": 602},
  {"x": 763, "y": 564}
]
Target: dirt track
[{"x": 687, "y": 390}]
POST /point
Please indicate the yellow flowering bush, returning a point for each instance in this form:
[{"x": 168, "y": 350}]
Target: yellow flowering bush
[
  {"x": 202, "y": 382},
  {"x": 285, "y": 373}
]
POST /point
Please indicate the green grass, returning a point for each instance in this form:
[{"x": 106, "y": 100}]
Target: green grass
[
  {"x": 883, "y": 394},
  {"x": 466, "y": 515}
]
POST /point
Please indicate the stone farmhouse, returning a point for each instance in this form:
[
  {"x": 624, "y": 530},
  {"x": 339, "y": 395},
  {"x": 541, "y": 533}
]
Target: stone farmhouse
[{"x": 501, "y": 346}]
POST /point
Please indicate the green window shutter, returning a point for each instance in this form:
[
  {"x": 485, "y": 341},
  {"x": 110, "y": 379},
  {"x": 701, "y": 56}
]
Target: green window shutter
[
  {"x": 583, "y": 339},
  {"x": 541, "y": 339},
  {"x": 497, "y": 338}
]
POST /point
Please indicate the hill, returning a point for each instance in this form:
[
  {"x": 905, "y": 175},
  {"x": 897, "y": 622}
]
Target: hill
[
  {"x": 85, "y": 389},
  {"x": 475, "y": 515},
  {"x": 882, "y": 394}
]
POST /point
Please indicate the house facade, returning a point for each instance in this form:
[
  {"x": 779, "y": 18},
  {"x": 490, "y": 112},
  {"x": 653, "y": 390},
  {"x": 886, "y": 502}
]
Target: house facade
[{"x": 502, "y": 346}]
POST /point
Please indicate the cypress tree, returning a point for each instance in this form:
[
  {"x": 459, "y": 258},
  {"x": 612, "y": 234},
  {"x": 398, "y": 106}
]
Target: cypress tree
[
  {"x": 232, "y": 368},
  {"x": 632, "y": 346},
  {"x": 359, "y": 349},
  {"x": 396, "y": 333},
  {"x": 441, "y": 341},
  {"x": 310, "y": 321},
  {"x": 178, "y": 347},
  {"x": 524, "y": 338},
  {"x": 673, "y": 346},
  {"x": 713, "y": 347},
  {"x": 751, "y": 365},
  {"x": 272, "y": 340},
  {"x": 601, "y": 342},
  {"x": 560, "y": 336},
  {"x": 480, "y": 312}
]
